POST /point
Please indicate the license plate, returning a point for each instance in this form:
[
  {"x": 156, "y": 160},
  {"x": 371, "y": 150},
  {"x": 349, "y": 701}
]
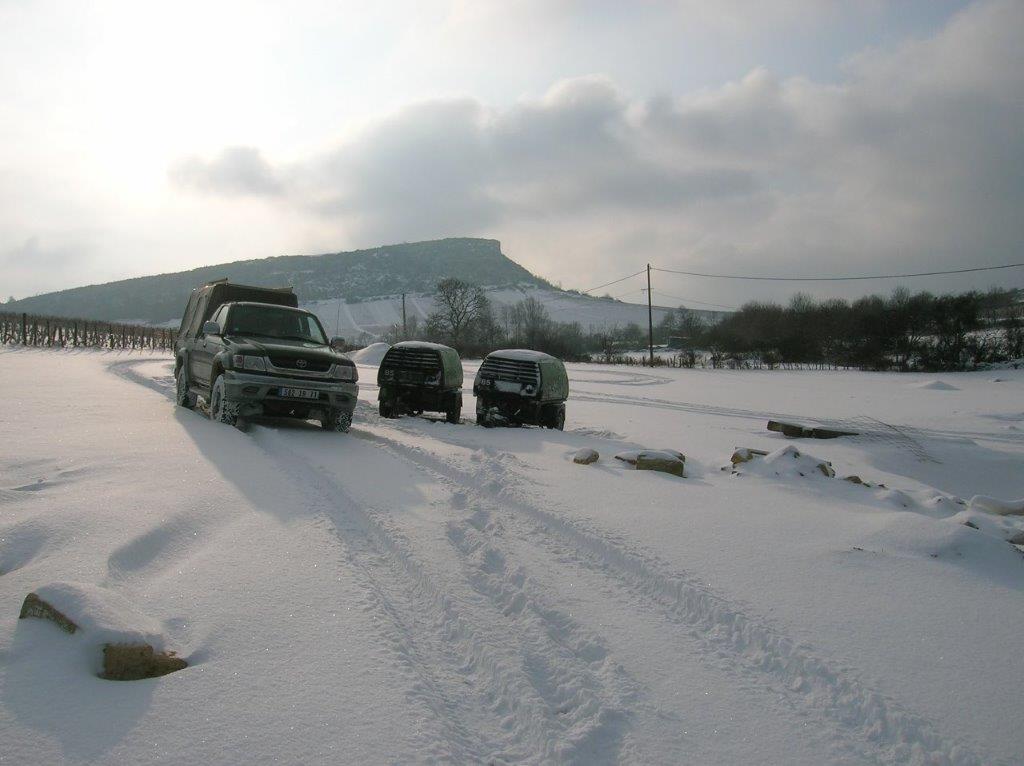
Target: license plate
[{"x": 298, "y": 393}]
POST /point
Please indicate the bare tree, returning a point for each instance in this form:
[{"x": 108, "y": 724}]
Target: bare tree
[{"x": 457, "y": 306}]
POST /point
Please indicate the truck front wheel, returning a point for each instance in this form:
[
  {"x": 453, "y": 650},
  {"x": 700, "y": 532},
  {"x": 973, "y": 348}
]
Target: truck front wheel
[
  {"x": 337, "y": 420},
  {"x": 221, "y": 410}
]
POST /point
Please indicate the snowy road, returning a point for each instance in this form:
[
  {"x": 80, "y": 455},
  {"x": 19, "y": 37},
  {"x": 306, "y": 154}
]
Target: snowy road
[{"x": 422, "y": 592}]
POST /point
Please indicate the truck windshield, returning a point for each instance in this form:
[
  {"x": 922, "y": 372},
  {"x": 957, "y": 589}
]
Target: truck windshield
[{"x": 271, "y": 322}]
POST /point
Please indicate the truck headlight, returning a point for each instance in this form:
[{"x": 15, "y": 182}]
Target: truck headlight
[
  {"x": 248, "y": 362},
  {"x": 346, "y": 372}
]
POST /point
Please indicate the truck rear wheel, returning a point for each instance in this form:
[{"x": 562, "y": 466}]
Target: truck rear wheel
[
  {"x": 454, "y": 415},
  {"x": 221, "y": 410},
  {"x": 386, "y": 410},
  {"x": 182, "y": 395}
]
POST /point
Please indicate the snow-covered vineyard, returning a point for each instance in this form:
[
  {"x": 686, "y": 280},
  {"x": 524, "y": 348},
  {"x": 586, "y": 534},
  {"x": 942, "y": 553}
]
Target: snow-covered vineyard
[{"x": 421, "y": 592}]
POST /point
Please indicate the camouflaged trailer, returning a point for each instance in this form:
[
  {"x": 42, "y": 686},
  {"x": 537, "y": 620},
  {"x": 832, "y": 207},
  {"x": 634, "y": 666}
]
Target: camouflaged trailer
[
  {"x": 416, "y": 377},
  {"x": 519, "y": 387}
]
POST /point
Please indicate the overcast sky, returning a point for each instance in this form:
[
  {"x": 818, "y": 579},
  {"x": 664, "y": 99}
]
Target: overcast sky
[{"x": 796, "y": 137}]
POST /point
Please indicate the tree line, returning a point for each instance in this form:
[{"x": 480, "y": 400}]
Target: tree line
[{"x": 904, "y": 331}]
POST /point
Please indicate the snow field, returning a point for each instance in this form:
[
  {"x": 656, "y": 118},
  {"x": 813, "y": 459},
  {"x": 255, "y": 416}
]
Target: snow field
[{"x": 422, "y": 592}]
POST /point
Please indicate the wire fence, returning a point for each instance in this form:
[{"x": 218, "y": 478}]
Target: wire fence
[{"x": 40, "y": 331}]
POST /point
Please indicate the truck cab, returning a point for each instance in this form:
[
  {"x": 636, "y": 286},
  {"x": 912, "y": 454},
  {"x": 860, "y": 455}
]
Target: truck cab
[{"x": 250, "y": 351}]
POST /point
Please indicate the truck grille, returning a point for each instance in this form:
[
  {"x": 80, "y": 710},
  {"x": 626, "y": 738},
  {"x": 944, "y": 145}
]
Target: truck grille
[
  {"x": 511, "y": 370},
  {"x": 300, "y": 364},
  {"x": 418, "y": 359}
]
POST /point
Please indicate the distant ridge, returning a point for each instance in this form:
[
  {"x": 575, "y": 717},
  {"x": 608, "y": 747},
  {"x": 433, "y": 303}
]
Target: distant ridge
[{"x": 353, "y": 276}]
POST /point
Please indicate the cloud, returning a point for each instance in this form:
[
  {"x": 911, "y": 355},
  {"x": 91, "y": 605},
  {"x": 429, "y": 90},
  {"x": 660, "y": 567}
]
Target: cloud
[
  {"x": 916, "y": 156},
  {"x": 236, "y": 171}
]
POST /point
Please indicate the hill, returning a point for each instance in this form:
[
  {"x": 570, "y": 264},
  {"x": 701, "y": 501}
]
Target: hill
[
  {"x": 365, "y": 320},
  {"x": 353, "y": 276}
]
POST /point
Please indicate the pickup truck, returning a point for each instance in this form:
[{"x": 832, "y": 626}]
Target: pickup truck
[{"x": 250, "y": 351}]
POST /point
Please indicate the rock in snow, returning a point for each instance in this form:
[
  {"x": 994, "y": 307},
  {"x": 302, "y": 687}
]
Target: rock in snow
[
  {"x": 664, "y": 460},
  {"x": 585, "y": 456},
  {"x": 131, "y": 641},
  {"x": 660, "y": 461},
  {"x": 133, "y": 662},
  {"x": 746, "y": 454},
  {"x": 631, "y": 456},
  {"x": 33, "y": 606},
  {"x": 786, "y": 462}
]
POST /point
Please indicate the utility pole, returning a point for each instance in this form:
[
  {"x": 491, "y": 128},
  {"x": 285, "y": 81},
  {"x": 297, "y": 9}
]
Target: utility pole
[
  {"x": 405, "y": 324},
  {"x": 650, "y": 317}
]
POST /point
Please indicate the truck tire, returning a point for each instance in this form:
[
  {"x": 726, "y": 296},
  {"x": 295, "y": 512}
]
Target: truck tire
[
  {"x": 337, "y": 420},
  {"x": 386, "y": 410},
  {"x": 554, "y": 418},
  {"x": 454, "y": 415},
  {"x": 182, "y": 396},
  {"x": 221, "y": 410},
  {"x": 483, "y": 417}
]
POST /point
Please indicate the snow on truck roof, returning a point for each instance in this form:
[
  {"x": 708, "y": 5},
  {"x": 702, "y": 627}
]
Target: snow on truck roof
[{"x": 521, "y": 355}]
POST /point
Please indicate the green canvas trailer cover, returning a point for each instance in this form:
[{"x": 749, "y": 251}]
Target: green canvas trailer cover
[
  {"x": 448, "y": 357},
  {"x": 554, "y": 382}
]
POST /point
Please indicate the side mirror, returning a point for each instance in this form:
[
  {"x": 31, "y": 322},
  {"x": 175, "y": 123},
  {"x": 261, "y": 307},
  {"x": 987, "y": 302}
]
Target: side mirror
[
  {"x": 338, "y": 343},
  {"x": 211, "y": 328}
]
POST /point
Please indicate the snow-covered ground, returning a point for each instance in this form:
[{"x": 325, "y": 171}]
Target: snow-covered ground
[{"x": 422, "y": 592}]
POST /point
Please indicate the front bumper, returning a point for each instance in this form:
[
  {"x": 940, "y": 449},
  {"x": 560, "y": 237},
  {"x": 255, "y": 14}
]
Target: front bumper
[{"x": 256, "y": 394}]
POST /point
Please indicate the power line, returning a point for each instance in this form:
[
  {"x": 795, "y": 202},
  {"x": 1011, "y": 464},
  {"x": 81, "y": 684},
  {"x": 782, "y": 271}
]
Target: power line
[
  {"x": 839, "y": 279},
  {"x": 694, "y": 300},
  {"x": 614, "y": 282}
]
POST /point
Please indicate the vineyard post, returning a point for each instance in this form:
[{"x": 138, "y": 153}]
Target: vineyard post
[{"x": 24, "y": 332}]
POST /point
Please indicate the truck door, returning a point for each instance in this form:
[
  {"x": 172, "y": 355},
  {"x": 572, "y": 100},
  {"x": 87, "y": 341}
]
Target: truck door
[{"x": 204, "y": 348}]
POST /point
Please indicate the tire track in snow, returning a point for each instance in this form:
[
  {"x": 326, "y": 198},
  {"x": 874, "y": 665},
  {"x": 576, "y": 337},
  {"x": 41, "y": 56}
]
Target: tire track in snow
[
  {"x": 544, "y": 699},
  {"x": 882, "y": 730}
]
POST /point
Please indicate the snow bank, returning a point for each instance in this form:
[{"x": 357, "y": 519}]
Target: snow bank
[
  {"x": 1009, "y": 528},
  {"x": 936, "y": 385},
  {"x": 372, "y": 354},
  {"x": 915, "y": 536},
  {"x": 998, "y": 507},
  {"x": 103, "y": 616}
]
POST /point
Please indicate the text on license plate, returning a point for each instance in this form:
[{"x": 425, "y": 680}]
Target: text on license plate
[{"x": 298, "y": 393}]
